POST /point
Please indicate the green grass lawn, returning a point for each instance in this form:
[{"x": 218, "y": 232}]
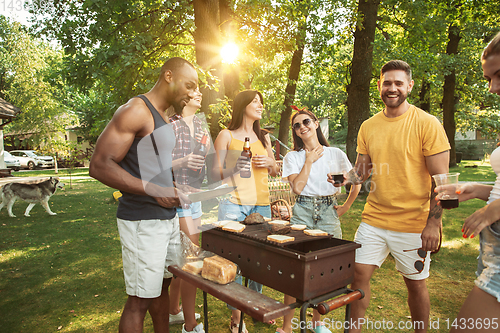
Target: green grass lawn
[
  {"x": 475, "y": 171},
  {"x": 63, "y": 273}
]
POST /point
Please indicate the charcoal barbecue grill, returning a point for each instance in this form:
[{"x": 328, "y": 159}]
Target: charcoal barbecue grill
[
  {"x": 305, "y": 268},
  {"x": 312, "y": 269}
]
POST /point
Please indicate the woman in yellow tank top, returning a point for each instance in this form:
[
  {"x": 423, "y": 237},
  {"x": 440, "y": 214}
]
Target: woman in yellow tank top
[{"x": 252, "y": 194}]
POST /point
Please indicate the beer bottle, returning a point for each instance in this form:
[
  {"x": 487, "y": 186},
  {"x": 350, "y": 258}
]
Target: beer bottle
[
  {"x": 248, "y": 154},
  {"x": 201, "y": 150}
]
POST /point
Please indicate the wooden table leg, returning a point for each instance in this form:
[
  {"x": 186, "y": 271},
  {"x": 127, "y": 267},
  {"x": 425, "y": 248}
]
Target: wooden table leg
[
  {"x": 205, "y": 311},
  {"x": 240, "y": 328}
]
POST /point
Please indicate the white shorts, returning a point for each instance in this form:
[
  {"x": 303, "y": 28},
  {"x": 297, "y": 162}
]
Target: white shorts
[
  {"x": 148, "y": 248},
  {"x": 377, "y": 243}
]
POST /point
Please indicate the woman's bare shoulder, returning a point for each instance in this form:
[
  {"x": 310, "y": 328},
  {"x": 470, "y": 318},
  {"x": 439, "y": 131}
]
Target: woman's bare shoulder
[{"x": 223, "y": 138}]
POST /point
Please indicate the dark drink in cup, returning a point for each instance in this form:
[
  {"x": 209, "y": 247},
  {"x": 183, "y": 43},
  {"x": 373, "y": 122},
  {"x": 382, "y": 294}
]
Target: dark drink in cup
[
  {"x": 449, "y": 203},
  {"x": 338, "y": 178},
  {"x": 448, "y": 191}
]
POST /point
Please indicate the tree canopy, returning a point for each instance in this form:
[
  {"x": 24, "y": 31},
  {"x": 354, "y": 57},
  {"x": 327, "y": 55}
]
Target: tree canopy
[
  {"x": 112, "y": 51},
  {"x": 29, "y": 79}
]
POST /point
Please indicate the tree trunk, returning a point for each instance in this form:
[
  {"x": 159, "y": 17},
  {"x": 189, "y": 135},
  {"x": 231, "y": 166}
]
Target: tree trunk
[
  {"x": 291, "y": 87},
  {"x": 358, "y": 90},
  {"x": 3, "y": 84},
  {"x": 423, "y": 96},
  {"x": 231, "y": 74},
  {"x": 207, "y": 45},
  {"x": 449, "y": 100}
]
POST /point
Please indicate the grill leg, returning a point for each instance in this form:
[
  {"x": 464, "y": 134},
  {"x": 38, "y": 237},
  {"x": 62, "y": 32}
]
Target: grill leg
[
  {"x": 205, "y": 311},
  {"x": 303, "y": 317},
  {"x": 347, "y": 317}
]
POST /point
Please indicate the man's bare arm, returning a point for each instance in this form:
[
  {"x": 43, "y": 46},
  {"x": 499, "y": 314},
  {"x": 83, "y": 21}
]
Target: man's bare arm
[
  {"x": 361, "y": 170},
  {"x": 436, "y": 164},
  {"x": 130, "y": 121},
  {"x": 435, "y": 211},
  {"x": 112, "y": 146}
]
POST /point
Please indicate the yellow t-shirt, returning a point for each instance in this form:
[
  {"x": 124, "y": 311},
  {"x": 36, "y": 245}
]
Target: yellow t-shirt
[
  {"x": 252, "y": 191},
  {"x": 401, "y": 184}
]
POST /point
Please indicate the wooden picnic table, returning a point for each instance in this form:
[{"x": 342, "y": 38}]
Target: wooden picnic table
[
  {"x": 262, "y": 307},
  {"x": 258, "y": 306}
]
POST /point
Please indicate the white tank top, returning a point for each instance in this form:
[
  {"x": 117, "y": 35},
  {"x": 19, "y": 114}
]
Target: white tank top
[{"x": 495, "y": 164}]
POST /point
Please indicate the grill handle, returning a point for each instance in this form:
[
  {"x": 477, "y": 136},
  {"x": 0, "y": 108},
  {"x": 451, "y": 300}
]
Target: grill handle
[{"x": 325, "y": 307}]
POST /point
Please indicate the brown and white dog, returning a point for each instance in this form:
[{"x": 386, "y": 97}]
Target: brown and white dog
[{"x": 32, "y": 193}]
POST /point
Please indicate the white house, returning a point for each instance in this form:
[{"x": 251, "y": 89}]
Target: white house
[{"x": 7, "y": 113}]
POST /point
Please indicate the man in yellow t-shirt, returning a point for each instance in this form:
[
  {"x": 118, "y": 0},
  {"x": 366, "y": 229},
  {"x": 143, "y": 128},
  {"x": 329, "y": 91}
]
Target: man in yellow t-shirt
[{"x": 402, "y": 147}]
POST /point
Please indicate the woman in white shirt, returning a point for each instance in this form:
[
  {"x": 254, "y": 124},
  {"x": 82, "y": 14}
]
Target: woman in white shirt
[{"x": 307, "y": 168}]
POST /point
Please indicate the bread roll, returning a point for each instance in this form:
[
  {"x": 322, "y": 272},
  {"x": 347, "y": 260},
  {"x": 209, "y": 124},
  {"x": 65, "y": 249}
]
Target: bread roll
[
  {"x": 254, "y": 218},
  {"x": 280, "y": 229},
  {"x": 219, "y": 270}
]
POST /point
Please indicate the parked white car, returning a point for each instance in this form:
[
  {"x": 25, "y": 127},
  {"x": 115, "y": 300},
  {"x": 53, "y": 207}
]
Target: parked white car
[
  {"x": 11, "y": 162},
  {"x": 31, "y": 159}
]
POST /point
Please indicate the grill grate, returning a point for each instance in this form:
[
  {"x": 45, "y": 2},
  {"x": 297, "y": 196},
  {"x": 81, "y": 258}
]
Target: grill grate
[
  {"x": 308, "y": 267},
  {"x": 259, "y": 233}
]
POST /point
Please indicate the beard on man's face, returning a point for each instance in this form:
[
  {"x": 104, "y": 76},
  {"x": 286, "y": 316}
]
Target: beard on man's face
[
  {"x": 394, "y": 103},
  {"x": 180, "y": 103},
  {"x": 178, "y": 108}
]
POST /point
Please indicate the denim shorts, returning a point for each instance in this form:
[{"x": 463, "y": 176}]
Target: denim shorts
[
  {"x": 233, "y": 212},
  {"x": 317, "y": 213},
  {"x": 488, "y": 265},
  {"x": 194, "y": 210}
]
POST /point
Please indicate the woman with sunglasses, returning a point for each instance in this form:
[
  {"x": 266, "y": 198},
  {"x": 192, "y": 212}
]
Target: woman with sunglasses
[
  {"x": 251, "y": 194},
  {"x": 306, "y": 168},
  {"x": 481, "y": 310}
]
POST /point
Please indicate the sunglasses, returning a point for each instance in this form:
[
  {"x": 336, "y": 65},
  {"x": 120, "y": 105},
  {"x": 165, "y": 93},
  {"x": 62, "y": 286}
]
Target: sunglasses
[
  {"x": 419, "y": 264},
  {"x": 306, "y": 122}
]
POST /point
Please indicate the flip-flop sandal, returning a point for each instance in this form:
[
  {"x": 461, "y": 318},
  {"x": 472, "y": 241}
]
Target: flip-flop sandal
[
  {"x": 235, "y": 327},
  {"x": 279, "y": 330}
]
